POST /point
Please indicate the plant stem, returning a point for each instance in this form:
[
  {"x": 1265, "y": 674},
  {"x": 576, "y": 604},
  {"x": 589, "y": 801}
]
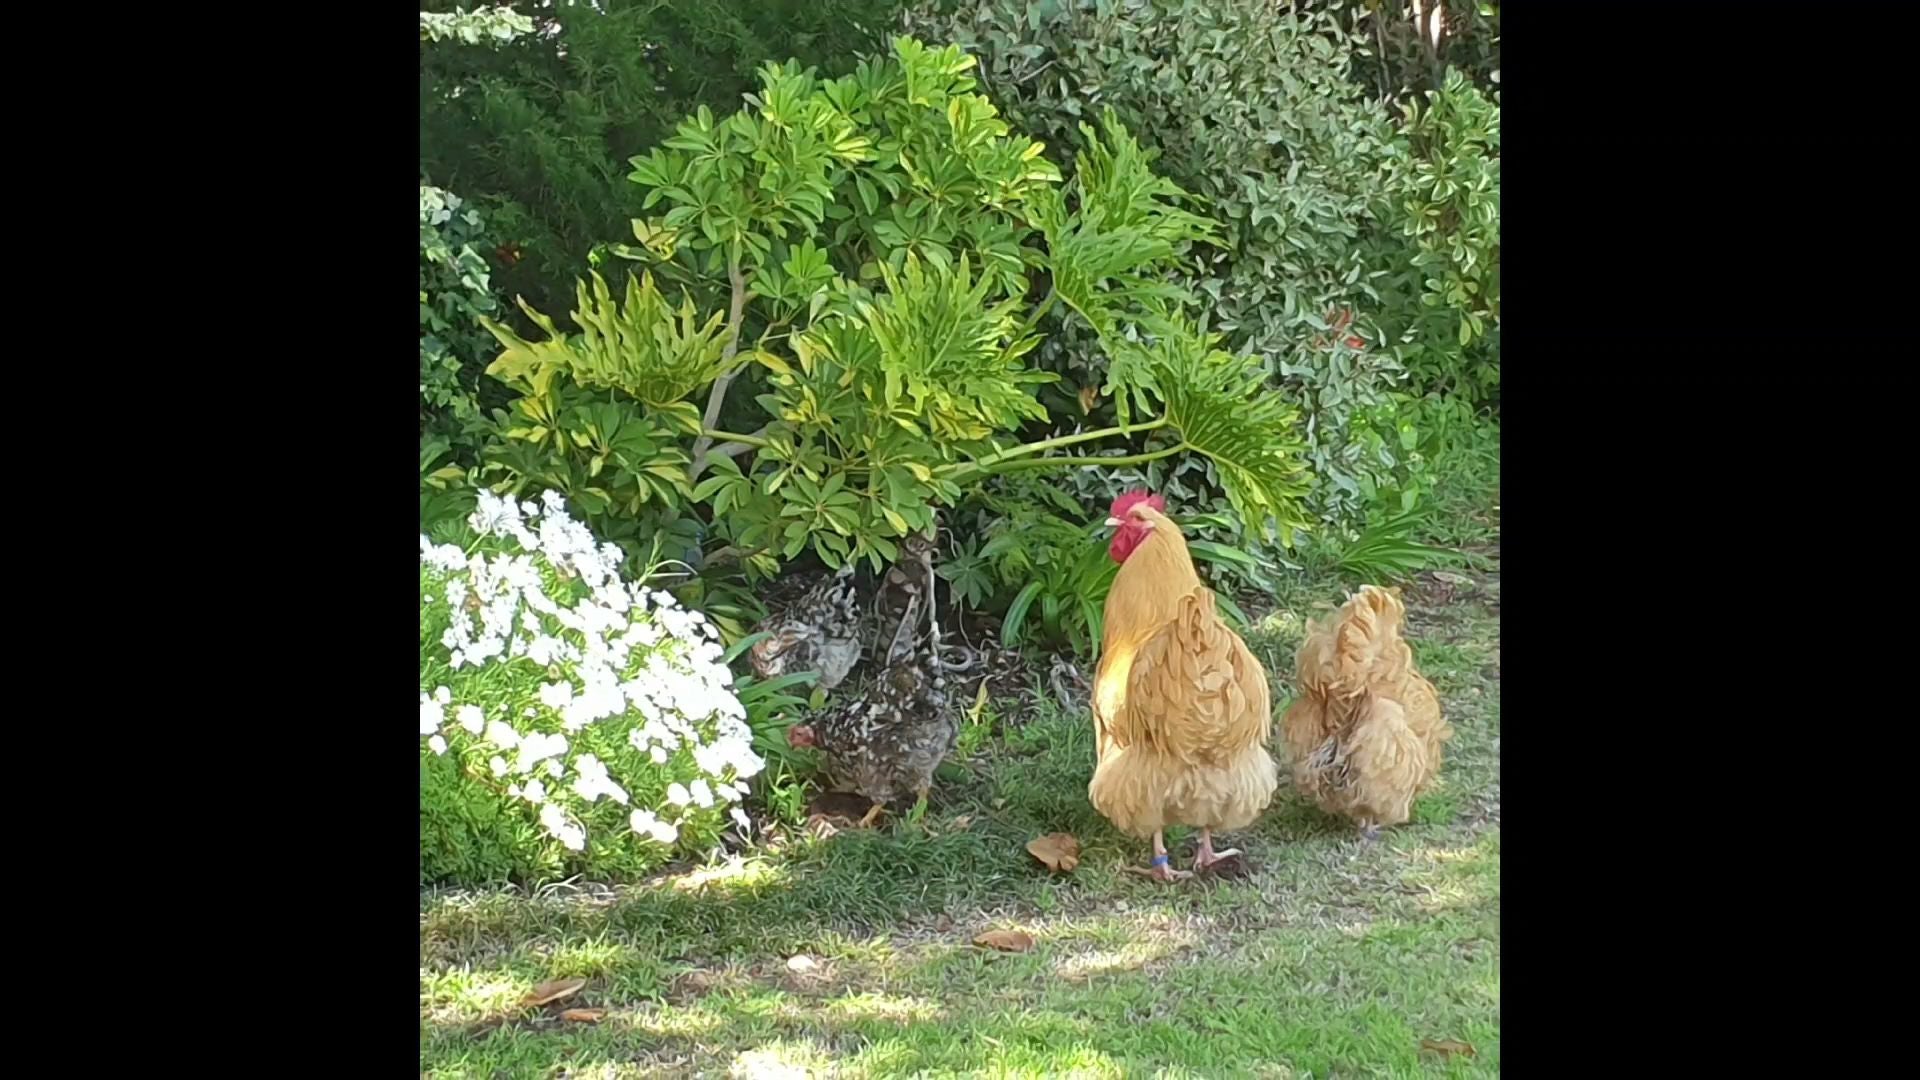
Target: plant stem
[
  {"x": 1131, "y": 459},
  {"x": 1038, "y": 313},
  {"x": 1056, "y": 443},
  {"x": 717, "y": 395},
  {"x": 755, "y": 441}
]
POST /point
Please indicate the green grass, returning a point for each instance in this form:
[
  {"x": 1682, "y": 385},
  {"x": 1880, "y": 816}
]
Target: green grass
[{"x": 1332, "y": 958}]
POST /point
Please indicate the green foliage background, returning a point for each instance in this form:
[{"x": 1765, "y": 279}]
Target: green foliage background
[
  {"x": 1318, "y": 175},
  {"x": 538, "y": 133}
]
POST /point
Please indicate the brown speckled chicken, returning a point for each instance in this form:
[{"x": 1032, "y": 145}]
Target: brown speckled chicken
[
  {"x": 824, "y": 631},
  {"x": 1366, "y": 735},
  {"x": 886, "y": 738},
  {"x": 1181, "y": 714}
]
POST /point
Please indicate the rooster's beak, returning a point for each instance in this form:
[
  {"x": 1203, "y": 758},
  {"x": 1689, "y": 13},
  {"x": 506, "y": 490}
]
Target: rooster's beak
[{"x": 1113, "y": 523}]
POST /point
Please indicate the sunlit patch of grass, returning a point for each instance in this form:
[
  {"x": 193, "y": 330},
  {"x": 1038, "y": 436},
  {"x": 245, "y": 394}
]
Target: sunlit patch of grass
[
  {"x": 782, "y": 1059},
  {"x": 734, "y": 875}
]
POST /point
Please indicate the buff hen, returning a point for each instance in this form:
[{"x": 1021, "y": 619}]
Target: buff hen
[
  {"x": 1181, "y": 713},
  {"x": 1365, "y": 736}
]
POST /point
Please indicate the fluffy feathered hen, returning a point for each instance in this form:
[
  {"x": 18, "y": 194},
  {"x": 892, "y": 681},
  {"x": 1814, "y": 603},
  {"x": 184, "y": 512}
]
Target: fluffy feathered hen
[
  {"x": 1181, "y": 714},
  {"x": 1365, "y": 737}
]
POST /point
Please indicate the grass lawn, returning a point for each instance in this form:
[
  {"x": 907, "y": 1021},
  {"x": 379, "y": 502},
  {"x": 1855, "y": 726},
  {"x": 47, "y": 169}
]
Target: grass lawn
[{"x": 852, "y": 955}]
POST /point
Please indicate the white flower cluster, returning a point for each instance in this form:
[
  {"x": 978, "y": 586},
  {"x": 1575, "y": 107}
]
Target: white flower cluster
[{"x": 632, "y": 652}]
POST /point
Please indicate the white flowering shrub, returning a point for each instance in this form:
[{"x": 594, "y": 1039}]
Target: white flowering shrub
[{"x": 570, "y": 722}]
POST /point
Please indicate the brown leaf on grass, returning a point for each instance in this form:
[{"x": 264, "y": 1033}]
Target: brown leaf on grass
[
  {"x": 1447, "y": 1046},
  {"x": 554, "y": 991},
  {"x": 583, "y": 1016},
  {"x": 962, "y": 823},
  {"x": 1060, "y": 851},
  {"x": 1089, "y": 397},
  {"x": 1005, "y": 940}
]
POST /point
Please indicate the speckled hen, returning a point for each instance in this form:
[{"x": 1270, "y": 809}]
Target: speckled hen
[
  {"x": 885, "y": 739},
  {"x": 823, "y": 631}
]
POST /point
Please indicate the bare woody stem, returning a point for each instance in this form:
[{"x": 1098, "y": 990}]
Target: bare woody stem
[{"x": 717, "y": 395}]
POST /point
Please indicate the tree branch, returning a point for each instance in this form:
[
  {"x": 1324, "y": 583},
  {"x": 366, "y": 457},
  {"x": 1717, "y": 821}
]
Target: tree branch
[
  {"x": 736, "y": 442},
  {"x": 739, "y": 445},
  {"x": 730, "y": 552},
  {"x": 987, "y": 463},
  {"x": 717, "y": 395},
  {"x": 1112, "y": 462}
]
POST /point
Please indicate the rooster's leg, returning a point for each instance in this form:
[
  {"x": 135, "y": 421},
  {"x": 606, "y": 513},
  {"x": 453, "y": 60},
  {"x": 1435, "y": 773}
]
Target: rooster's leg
[
  {"x": 1206, "y": 856},
  {"x": 1369, "y": 831},
  {"x": 1160, "y": 869},
  {"x": 873, "y": 815}
]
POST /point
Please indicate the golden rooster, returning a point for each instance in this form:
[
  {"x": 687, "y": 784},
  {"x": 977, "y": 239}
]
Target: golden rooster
[
  {"x": 1366, "y": 734},
  {"x": 1181, "y": 715}
]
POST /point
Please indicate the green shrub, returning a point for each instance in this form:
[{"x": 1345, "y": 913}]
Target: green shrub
[
  {"x": 489, "y": 25},
  {"x": 456, "y": 288},
  {"x": 859, "y": 252},
  {"x": 1400, "y": 54},
  {"x": 539, "y": 133},
  {"x": 570, "y": 721},
  {"x": 1443, "y": 279},
  {"x": 1255, "y": 110},
  {"x": 455, "y": 291},
  {"x": 1387, "y": 549}
]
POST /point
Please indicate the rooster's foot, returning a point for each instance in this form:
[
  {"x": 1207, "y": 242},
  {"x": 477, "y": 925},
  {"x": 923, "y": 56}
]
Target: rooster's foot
[
  {"x": 1208, "y": 858},
  {"x": 1369, "y": 832},
  {"x": 1160, "y": 871},
  {"x": 873, "y": 815},
  {"x": 1205, "y": 856}
]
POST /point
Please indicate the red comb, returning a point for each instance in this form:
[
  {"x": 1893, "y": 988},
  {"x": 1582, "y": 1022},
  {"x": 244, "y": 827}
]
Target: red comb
[{"x": 1128, "y": 500}]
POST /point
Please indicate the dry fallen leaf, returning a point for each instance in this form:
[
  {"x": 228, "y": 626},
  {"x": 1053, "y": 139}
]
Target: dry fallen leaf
[
  {"x": 801, "y": 964},
  {"x": 962, "y": 823},
  {"x": 583, "y": 1016},
  {"x": 1060, "y": 851},
  {"x": 554, "y": 991},
  {"x": 1447, "y": 1046},
  {"x": 1005, "y": 940}
]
